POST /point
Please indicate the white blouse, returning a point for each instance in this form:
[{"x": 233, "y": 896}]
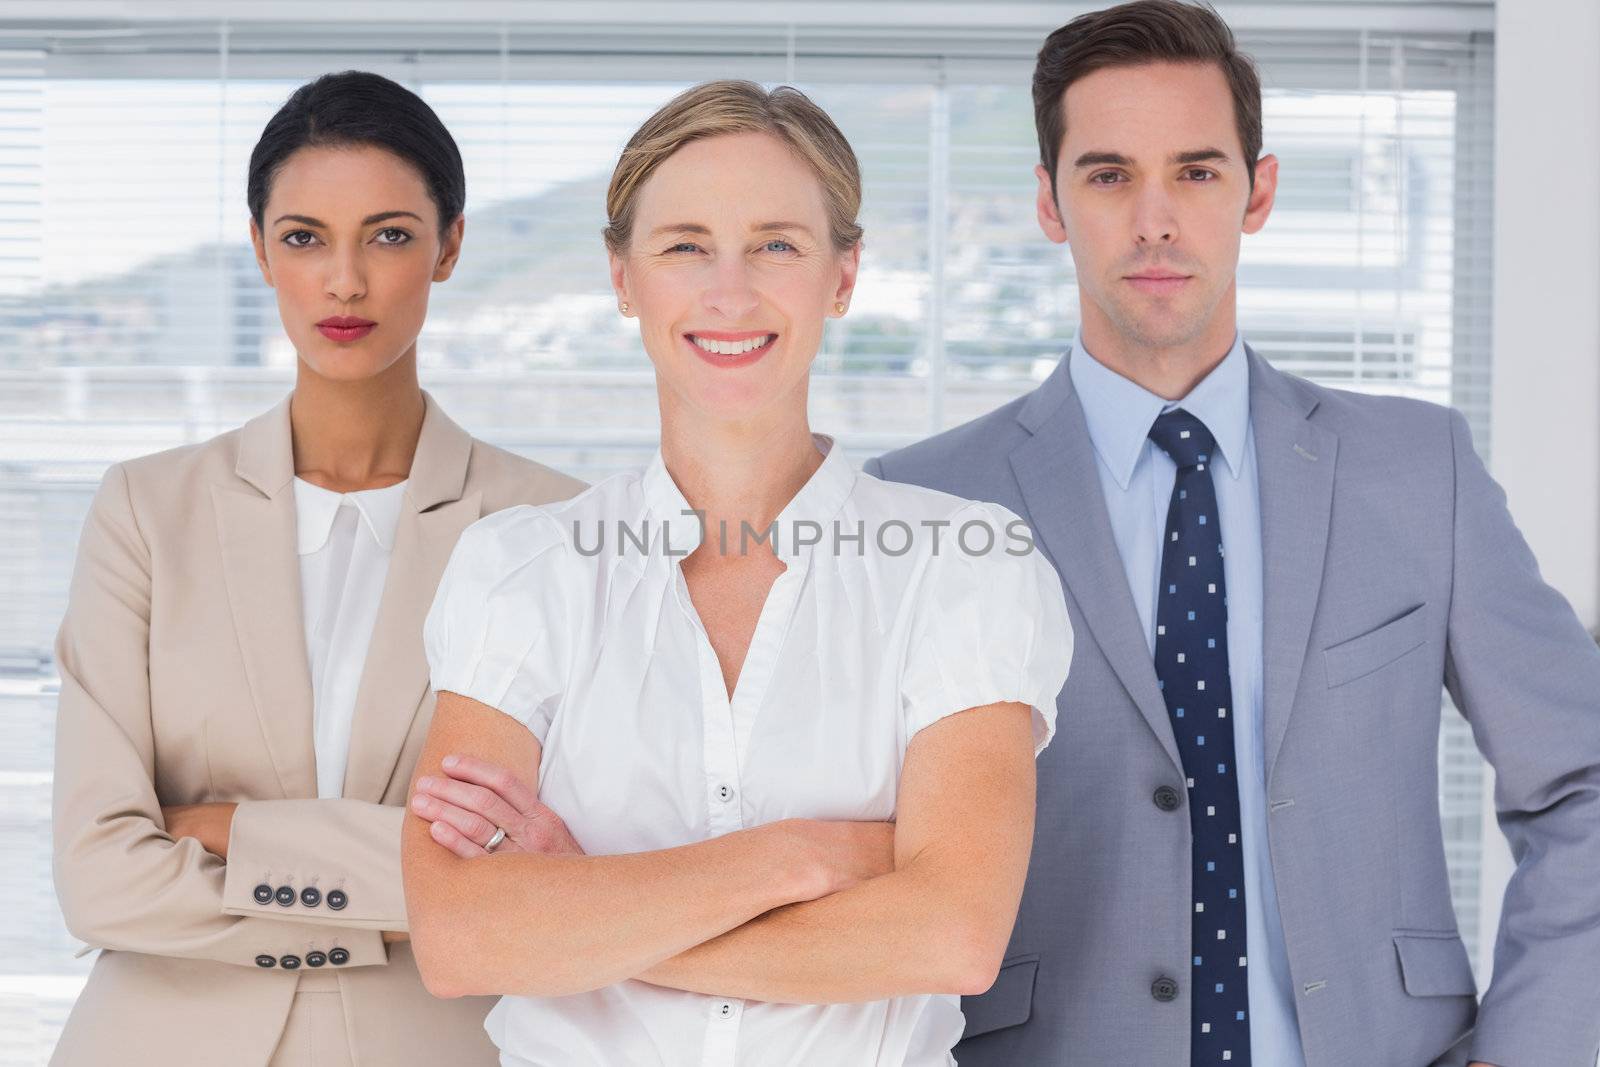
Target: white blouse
[
  {"x": 574, "y": 619},
  {"x": 344, "y": 543}
]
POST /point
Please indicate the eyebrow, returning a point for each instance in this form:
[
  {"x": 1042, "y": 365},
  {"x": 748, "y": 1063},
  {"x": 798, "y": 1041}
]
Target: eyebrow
[
  {"x": 382, "y": 216},
  {"x": 680, "y": 227},
  {"x": 800, "y": 226},
  {"x": 697, "y": 228},
  {"x": 1116, "y": 159}
]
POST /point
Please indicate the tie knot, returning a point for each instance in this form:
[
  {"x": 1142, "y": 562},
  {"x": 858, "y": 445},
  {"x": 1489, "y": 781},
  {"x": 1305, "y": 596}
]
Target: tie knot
[{"x": 1183, "y": 437}]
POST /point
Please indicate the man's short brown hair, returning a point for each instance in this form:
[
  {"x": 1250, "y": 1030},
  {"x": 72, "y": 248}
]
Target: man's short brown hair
[{"x": 1144, "y": 31}]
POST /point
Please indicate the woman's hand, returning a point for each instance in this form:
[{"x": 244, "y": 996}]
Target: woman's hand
[
  {"x": 475, "y": 796},
  {"x": 207, "y": 823}
]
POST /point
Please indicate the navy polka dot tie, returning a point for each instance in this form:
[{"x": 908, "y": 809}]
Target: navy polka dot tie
[{"x": 1192, "y": 665}]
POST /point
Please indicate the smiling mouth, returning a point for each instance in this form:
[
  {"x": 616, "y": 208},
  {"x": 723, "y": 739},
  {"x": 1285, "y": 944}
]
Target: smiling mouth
[{"x": 737, "y": 347}]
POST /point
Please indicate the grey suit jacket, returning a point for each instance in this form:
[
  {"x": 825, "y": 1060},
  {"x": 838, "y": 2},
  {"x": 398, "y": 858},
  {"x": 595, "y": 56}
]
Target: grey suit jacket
[{"x": 1391, "y": 566}]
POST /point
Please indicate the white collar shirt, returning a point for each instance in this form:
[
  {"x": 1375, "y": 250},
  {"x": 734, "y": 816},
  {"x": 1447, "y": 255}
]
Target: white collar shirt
[
  {"x": 574, "y": 618},
  {"x": 344, "y": 542}
]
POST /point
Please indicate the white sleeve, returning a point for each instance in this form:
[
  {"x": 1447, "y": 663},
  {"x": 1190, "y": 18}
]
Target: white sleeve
[
  {"x": 498, "y": 630},
  {"x": 988, "y": 627}
]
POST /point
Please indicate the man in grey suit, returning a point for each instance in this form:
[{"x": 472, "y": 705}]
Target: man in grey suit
[{"x": 1238, "y": 856}]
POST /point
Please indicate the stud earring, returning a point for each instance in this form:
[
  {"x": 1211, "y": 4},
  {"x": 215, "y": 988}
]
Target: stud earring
[
  {"x": 839, "y": 306},
  {"x": 624, "y": 307}
]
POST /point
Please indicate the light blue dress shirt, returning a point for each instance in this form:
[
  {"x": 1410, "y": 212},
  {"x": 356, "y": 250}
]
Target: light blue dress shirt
[{"x": 1137, "y": 478}]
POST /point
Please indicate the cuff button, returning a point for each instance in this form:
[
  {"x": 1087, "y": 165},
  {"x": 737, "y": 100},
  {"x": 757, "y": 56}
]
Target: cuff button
[
  {"x": 315, "y": 959},
  {"x": 338, "y": 956},
  {"x": 265, "y": 960},
  {"x": 285, "y": 895},
  {"x": 337, "y": 900},
  {"x": 310, "y": 897},
  {"x": 263, "y": 893}
]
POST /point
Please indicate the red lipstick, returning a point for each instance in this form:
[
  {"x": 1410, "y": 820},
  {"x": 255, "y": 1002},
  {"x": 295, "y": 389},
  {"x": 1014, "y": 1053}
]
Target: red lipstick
[{"x": 345, "y": 327}]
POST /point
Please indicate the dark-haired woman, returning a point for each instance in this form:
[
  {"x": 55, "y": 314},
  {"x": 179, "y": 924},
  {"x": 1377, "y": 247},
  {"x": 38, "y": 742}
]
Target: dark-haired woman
[{"x": 243, "y": 686}]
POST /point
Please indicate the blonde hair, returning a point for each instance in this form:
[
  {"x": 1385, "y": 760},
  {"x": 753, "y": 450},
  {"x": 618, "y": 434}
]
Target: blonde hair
[{"x": 730, "y": 106}]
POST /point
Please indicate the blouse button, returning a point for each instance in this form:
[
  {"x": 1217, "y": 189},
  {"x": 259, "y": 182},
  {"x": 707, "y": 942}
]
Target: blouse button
[
  {"x": 725, "y": 1010},
  {"x": 724, "y": 793}
]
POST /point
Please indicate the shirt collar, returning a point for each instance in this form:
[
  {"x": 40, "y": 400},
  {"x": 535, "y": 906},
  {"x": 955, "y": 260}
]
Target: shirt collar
[
  {"x": 818, "y": 502},
  {"x": 316, "y": 508},
  {"x": 1120, "y": 412}
]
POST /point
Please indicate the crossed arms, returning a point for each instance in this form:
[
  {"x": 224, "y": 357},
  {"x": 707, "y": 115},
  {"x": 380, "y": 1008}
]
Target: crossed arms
[{"x": 793, "y": 911}]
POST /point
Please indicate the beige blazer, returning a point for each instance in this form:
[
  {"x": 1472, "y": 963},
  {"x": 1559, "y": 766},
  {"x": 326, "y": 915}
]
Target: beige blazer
[{"x": 184, "y": 680}]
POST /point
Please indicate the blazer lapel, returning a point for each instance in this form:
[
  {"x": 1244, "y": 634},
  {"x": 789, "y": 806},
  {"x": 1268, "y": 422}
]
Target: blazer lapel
[
  {"x": 1055, "y": 468},
  {"x": 394, "y": 679},
  {"x": 256, "y": 528},
  {"x": 1297, "y": 461}
]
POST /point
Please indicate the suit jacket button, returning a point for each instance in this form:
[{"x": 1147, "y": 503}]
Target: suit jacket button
[
  {"x": 284, "y": 895},
  {"x": 338, "y": 956},
  {"x": 1167, "y": 798},
  {"x": 1164, "y": 989},
  {"x": 310, "y": 897},
  {"x": 315, "y": 959},
  {"x": 263, "y": 894},
  {"x": 337, "y": 900},
  {"x": 265, "y": 960},
  {"x": 290, "y": 963}
]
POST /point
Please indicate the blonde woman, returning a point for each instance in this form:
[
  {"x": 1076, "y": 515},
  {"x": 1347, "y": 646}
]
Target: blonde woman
[
  {"x": 243, "y": 690},
  {"x": 725, "y": 675}
]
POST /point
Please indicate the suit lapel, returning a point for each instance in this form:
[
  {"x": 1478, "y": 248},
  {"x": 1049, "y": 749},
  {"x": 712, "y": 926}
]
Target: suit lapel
[
  {"x": 256, "y": 528},
  {"x": 394, "y": 679},
  {"x": 1297, "y": 461},
  {"x": 1055, "y": 468}
]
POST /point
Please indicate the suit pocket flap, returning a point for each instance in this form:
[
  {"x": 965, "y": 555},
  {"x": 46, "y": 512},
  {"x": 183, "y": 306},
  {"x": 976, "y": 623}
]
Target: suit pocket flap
[
  {"x": 1008, "y": 1002},
  {"x": 1435, "y": 965},
  {"x": 1362, "y": 655}
]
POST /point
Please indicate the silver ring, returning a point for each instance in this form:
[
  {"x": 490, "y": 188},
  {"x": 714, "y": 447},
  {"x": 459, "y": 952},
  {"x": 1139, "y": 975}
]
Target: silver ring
[{"x": 494, "y": 842}]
